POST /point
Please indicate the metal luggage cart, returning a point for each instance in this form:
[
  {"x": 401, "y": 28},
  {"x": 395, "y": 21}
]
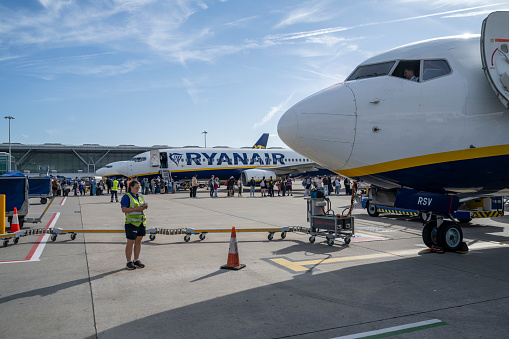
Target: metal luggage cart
[
  {"x": 40, "y": 188},
  {"x": 323, "y": 222}
]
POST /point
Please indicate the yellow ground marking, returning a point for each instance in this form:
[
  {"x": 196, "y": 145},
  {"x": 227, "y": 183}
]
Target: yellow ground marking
[
  {"x": 369, "y": 233},
  {"x": 300, "y": 266}
]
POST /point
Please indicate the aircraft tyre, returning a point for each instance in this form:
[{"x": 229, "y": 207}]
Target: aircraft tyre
[
  {"x": 450, "y": 236},
  {"x": 429, "y": 233},
  {"x": 372, "y": 212}
]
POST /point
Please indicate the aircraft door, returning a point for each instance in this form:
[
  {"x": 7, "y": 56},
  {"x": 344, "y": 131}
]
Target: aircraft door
[
  {"x": 495, "y": 53},
  {"x": 155, "y": 160}
]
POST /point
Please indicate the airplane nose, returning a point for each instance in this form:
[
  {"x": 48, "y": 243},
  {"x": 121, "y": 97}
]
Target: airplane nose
[
  {"x": 287, "y": 128},
  {"x": 321, "y": 125}
]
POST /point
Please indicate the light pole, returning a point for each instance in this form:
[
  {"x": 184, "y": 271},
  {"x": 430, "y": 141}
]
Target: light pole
[
  {"x": 205, "y": 132},
  {"x": 10, "y": 118}
]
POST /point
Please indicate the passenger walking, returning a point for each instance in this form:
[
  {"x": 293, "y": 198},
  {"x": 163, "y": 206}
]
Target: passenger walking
[
  {"x": 230, "y": 186},
  {"x": 252, "y": 184},
  {"x": 211, "y": 184},
  {"x": 216, "y": 186},
  {"x": 337, "y": 183},
  {"x": 289, "y": 186},
  {"x": 278, "y": 184},
  {"x": 108, "y": 185},
  {"x": 146, "y": 185},
  {"x": 283, "y": 186},
  {"x": 241, "y": 186},
  {"x": 347, "y": 187},
  {"x": 271, "y": 187},
  {"x": 114, "y": 189},
  {"x": 194, "y": 186},
  {"x": 307, "y": 190},
  {"x": 262, "y": 186},
  {"x": 133, "y": 205}
]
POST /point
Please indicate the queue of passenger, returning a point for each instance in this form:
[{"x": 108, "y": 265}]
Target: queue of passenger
[{"x": 283, "y": 186}]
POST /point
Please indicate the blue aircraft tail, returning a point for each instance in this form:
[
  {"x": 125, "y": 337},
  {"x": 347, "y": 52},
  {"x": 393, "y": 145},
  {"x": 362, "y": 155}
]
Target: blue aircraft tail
[{"x": 262, "y": 142}]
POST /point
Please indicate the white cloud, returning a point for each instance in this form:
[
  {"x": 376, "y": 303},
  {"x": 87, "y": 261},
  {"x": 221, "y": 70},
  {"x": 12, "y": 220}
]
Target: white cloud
[
  {"x": 308, "y": 12},
  {"x": 273, "y": 111}
]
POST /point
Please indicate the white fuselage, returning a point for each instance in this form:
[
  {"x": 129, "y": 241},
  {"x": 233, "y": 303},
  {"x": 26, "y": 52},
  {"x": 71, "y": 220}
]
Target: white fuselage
[
  {"x": 184, "y": 163},
  {"x": 446, "y": 133}
]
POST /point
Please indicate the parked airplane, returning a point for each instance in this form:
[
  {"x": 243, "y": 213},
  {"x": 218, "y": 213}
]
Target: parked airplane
[
  {"x": 222, "y": 162},
  {"x": 424, "y": 142},
  {"x": 112, "y": 169}
]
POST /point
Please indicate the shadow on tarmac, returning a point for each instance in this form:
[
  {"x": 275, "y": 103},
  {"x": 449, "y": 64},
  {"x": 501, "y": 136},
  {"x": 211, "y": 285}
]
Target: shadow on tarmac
[
  {"x": 48, "y": 290},
  {"x": 347, "y": 300}
]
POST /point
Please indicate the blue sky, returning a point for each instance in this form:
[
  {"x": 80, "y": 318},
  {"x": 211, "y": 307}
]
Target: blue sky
[{"x": 149, "y": 72}]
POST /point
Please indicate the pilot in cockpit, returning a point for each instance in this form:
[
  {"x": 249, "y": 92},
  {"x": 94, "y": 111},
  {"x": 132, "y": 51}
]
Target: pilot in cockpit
[{"x": 409, "y": 74}]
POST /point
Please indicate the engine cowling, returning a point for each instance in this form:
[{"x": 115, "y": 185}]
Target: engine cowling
[{"x": 258, "y": 175}]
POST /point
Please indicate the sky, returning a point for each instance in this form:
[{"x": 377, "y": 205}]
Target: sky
[{"x": 149, "y": 72}]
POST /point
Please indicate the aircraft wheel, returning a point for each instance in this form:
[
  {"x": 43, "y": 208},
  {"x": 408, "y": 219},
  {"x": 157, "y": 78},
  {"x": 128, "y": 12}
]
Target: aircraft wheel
[
  {"x": 372, "y": 212},
  {"x": 450, "y": 236},
  {"x": 429, "y": 233}
]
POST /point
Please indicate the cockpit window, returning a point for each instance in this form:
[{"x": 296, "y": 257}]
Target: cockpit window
[
  {"x": 434, "y": 68},
  {"x": 138, "y": 159},
  {"x": 408, "y": 69},
  {"x": 371, "y": 71}
]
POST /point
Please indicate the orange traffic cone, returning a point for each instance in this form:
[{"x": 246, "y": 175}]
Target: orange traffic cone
[
  {"x": 15, "y": 221},
  {"x": 233, "y": 254}
]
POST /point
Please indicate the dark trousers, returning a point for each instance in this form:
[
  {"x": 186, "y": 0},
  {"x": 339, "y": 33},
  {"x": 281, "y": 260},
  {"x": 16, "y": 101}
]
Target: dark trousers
[{"x": 114, "y": 193}]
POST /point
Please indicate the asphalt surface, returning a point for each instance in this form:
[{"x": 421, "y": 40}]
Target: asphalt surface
[{"x": 289, "y": 288}]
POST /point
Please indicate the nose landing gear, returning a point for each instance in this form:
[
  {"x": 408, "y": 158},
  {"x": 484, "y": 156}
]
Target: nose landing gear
[{"x": 446, "y": 234}]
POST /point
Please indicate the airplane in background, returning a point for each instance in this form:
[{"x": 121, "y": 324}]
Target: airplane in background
[
  {"x": 223, "y": 162},
  {"x": 429, "y": 143},
  {"x": 112, "y": 169}
]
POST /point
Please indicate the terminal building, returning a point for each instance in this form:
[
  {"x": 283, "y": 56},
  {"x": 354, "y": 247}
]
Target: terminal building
[{"x": 65, "y": 160}]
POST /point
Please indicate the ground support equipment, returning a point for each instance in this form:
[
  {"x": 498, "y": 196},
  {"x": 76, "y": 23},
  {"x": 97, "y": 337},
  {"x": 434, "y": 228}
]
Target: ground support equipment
[{"x": 323, "y": 222}]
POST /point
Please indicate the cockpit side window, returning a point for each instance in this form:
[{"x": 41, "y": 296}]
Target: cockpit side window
[
  {"x": 370, "y": 71},
  {"x": 408, "y": 69},
  {"x": 435, "y": 68}
]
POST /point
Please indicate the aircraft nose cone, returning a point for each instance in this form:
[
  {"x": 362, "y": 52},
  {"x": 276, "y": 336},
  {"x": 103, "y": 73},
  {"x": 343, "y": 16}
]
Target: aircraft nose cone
[
  {"x": 322, "y": 127},
  {"x": 287, "y": 128}
]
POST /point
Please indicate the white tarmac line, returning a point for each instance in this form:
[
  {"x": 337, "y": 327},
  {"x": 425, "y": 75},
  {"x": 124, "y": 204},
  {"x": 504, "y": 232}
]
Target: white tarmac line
[
  {"x": 36, "y": 251},
  {"x": 387, "y": 332},
  {"x": 63, "y": 201}
]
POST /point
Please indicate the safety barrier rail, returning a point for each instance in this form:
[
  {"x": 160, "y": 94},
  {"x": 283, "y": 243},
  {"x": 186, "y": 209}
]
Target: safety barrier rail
[{"x": 152, "y": 232}]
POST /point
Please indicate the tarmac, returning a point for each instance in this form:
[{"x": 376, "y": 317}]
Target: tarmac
[{"x": 384, "y": 281}]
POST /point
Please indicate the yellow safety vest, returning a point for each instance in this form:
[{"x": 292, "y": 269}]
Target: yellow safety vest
[
  {"x": 135, "y": 218},
  {"x": 115, "y": 185}
]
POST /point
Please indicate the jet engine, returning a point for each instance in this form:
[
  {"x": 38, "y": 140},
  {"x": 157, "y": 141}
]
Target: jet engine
[{"x": 258, "y": 175}]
